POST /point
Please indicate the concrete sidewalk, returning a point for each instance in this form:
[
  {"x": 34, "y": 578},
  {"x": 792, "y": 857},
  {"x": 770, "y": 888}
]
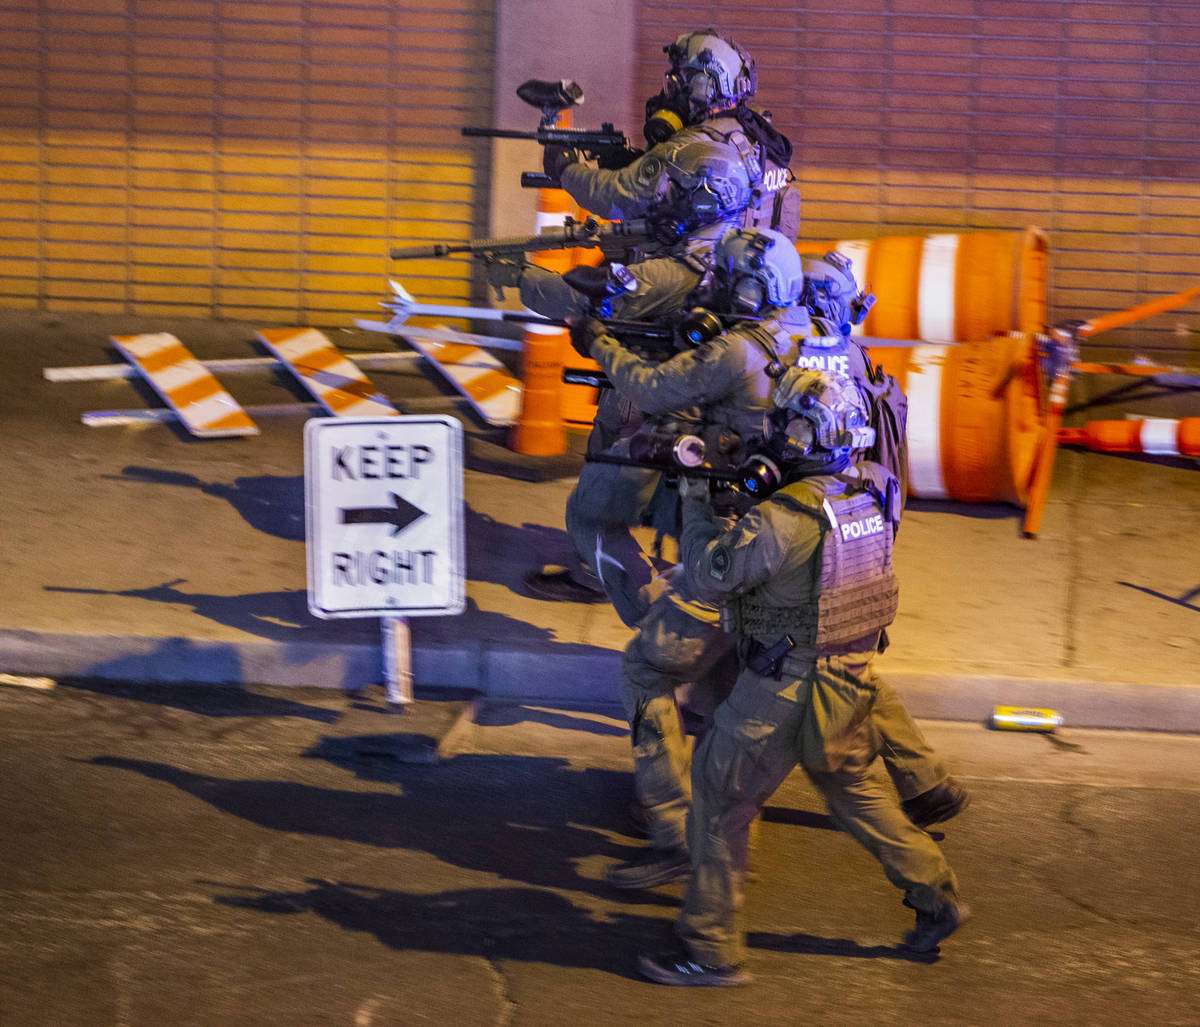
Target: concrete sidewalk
[{"x": 144, "y": 554}]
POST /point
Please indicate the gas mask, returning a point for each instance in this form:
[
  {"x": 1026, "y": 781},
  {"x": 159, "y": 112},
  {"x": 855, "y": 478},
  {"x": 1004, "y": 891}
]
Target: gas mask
[
  {"x": 818, "y": 422},
  {"x": 665, "y": 115}
]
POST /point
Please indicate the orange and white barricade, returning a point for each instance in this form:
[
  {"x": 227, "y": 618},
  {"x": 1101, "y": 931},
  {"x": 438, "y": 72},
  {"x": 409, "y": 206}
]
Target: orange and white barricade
[
  {"x": 185, "y": 385},
  {"x": 328, "y": 374}
]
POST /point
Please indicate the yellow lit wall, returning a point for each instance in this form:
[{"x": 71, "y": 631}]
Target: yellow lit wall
[
  {"x": 255, "y": 159},
  {"x": 249, "y": 160}
]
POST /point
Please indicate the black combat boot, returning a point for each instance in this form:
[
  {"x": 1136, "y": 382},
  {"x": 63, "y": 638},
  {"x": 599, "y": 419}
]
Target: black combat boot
[
  {"x": 560, "y": 584},
  {"x": 934, "y": 928}
]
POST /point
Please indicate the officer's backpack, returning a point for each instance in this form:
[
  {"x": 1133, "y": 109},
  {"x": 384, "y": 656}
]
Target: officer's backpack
[{"x": 889, "y": 418}]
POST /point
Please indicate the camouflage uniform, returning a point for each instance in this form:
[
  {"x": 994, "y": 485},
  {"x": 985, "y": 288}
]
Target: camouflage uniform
[
  {"x": 705, "y": 179},
  {"x": 679, "y": 639},
  {"x": 785, "y": 568},
  {"x": 721, "y": 383},
  {"x": 609, "y": 499}
]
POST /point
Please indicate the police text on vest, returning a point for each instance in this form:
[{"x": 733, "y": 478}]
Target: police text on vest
[
  {"x": 863, "y": 528},
  {"x": 831, "y": 362}
]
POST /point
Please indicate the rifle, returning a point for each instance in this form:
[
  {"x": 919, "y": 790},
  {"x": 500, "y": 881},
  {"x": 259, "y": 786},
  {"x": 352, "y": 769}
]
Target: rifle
[
  {"x": 608, "y": 147},
  {"x": 612, "y": 239},
  {"x": 751, "y": 471},
  {"x": 655, "y": 336}
]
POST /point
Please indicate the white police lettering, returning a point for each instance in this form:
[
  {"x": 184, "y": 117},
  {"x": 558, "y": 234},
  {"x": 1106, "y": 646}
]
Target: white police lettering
[
  {"x": 830, "y": 362},
  {"x": 861, "y": 529},
  {"x": 775, "y": 178}
]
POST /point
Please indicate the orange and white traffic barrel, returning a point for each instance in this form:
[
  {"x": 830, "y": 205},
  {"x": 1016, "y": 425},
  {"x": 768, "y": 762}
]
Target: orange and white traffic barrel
[
  {"x": 1153, "y": 436},
  {"x": 974, "y": 417},
  {"x": 944, "y": 287}
]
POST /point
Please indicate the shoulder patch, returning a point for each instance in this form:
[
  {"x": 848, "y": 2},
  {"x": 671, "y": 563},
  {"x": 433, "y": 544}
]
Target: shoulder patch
[
  {"x": 720, "y": 560},
  {"x": 651, "y": 170}
]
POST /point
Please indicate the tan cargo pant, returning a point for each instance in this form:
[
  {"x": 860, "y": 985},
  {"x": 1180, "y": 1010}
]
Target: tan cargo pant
[
  {"x": 606, "y": 502},
  {"x": 765, "y": 727},
  {"x": 672, "y": 645},
  {"x": 678, "y": 642}
]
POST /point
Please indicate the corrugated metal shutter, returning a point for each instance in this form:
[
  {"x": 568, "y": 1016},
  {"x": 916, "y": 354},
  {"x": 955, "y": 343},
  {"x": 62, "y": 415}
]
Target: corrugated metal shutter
[
  {"x": 235, "y": 159},
  {"x": 1081, "y": 118}
]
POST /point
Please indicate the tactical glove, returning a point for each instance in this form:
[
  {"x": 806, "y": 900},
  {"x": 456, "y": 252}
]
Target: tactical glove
[
  {"x": 585, "y": 331},
  {"x": 694, "y": 488},
  {"x": 614, "y": 160},
  {"x": 555, "y": 158},
  {"x": 502, "y": 273}
]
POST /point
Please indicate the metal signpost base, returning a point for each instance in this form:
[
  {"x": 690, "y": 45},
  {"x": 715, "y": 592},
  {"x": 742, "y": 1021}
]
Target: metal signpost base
[{"x": 397, "y": 660}]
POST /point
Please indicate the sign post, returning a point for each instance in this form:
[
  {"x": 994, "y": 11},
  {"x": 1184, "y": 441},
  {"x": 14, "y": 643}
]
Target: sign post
[{"x": 384, "y": 526}]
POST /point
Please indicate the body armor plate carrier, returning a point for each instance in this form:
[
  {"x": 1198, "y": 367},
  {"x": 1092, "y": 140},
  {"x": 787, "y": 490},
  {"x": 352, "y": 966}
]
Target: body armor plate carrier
[{"x": 856, "y": 595}]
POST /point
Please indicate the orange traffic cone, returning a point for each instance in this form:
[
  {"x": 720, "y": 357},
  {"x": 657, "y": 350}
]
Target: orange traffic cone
[
  {"x": 1154, "y": 436},
  {"x": 580, "y": 401},
  {"x": 540, "y": 431}
]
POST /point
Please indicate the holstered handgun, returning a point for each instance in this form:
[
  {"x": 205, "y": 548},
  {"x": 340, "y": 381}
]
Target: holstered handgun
[{"x": 768, "y": 662}]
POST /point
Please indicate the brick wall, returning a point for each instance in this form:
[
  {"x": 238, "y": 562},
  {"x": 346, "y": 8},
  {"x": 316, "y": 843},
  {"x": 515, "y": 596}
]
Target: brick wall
[{"x": 225, "y": 159}]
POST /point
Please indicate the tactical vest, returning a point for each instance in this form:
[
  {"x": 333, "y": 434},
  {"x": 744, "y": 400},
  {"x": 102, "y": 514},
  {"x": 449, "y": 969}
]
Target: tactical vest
[
  {"x": 774, "y": 340},
  {"x": 855, "y": 596},
  {"x": 763, "y": 199},
  {"x": 775, "y": 203}
]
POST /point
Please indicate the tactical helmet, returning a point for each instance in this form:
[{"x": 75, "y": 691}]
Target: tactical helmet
[
  {"x": 706, "y": 183},
  {"x": 817, "y": 417},
  {"x": 709, "y": 68},
  {"x": 831, "y": 293},
  {"x": 756, "y": 268}
]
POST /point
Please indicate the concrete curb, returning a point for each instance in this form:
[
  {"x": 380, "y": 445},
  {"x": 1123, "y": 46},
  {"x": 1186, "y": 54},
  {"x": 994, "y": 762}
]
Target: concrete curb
[
  {"x": 1090, "y": 704},
  {"x": 561, "y": 674}
]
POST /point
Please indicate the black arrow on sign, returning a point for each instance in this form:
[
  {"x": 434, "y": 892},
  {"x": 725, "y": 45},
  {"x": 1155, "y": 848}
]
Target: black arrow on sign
[{"x": 399, "y": 516}]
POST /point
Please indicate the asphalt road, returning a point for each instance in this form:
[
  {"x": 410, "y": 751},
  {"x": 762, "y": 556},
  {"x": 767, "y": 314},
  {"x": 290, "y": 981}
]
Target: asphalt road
[{"x": 191, "y": 856}]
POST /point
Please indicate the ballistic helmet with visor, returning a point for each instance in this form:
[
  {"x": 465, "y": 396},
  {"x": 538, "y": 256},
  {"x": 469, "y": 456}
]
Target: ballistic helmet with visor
[
  {"x": 818, "y": 418},
  {"x": 831, "y": 292},
  {"x": 711, "y": 70}
]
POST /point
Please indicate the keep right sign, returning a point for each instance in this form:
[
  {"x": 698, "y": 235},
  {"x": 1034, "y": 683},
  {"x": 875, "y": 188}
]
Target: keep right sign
[{"x": 384, "y": 521}]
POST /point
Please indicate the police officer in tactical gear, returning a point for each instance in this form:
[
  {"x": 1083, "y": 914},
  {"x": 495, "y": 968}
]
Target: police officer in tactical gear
[
  {"x": 721, "y": 385},
  {"x": 679, "y": 639},
  {"x": 714, "y": 162},
  {"x": 806, "y": 577}
]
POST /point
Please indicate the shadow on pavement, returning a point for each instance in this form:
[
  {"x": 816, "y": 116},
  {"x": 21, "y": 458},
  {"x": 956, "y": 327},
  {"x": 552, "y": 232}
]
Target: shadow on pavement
[
  {"x": 978, "y": 511},
  {"x": 509, "y": 714},
  {"x": 284, "y": 617},
  {"x": 1184, "y": 600},
  {"x": 209, "y": 701},
  {"x": 526, "y": 924},
  {"x": 798, "y": 818},
  {"x": 813, "y": 945},
  {"x": 504, "y": 553},
  {"x": 274, "y": 505},
  {"x": 280, "y": 616},
  {"x": 521, "y": 818}
]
